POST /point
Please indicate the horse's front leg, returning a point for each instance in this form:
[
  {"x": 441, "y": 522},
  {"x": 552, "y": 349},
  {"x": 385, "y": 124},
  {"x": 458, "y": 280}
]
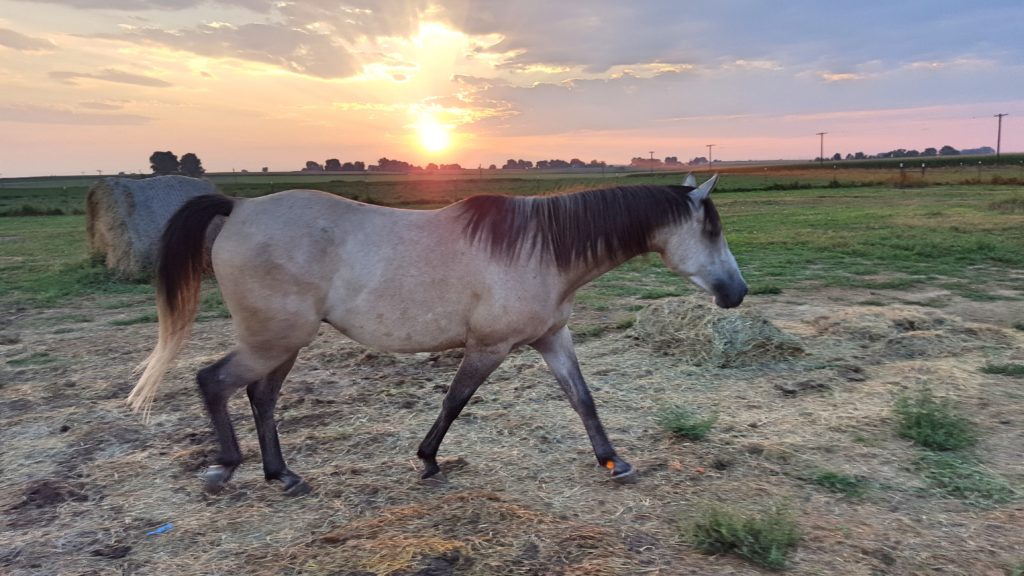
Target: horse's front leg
[
  {"x": 560, "y": 355},
  {"x": 476, "y": 366}
]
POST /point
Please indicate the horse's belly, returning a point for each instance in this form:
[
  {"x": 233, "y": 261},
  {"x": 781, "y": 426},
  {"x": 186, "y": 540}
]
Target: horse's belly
[{"x": 398, "y": 331}]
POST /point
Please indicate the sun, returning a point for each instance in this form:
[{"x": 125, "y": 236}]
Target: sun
[{"x": 434, "y": 136}]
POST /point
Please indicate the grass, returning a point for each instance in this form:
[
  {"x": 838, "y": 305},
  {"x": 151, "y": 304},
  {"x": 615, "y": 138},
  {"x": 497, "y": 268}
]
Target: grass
[
  {"x": 34, "y": 359},
  {"x": 839, "y": 483},
  {"x": 964, "y": 478},
  {"x": 146, "y": 318},
  {"x": 1010, "y": 369},
  {"x": 933, "y": 423},
  {"x": 686, "y": 423},
  {"x": 765, "y": 539}
]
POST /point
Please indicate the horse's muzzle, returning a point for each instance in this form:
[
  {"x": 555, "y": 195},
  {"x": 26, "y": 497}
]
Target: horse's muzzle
[{"x": 729, "y": 294}]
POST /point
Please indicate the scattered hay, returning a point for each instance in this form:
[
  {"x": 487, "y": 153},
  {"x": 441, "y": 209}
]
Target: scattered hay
[
  {"x": 125, "y": 218},
  {"x": 906, "y": 332},
  {"x": 703, "y": 335}
]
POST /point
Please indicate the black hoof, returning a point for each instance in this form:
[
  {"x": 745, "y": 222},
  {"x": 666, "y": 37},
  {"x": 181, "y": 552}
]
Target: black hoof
[
  {"x": 622, "y": 471},
  {"x": 300, "y": 488},
  {"x": 216, "y": 477},
  {"x": 430, "y": 469}
]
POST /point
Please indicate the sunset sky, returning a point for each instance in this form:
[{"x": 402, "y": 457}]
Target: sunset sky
[{"x": 89, "y": 85}]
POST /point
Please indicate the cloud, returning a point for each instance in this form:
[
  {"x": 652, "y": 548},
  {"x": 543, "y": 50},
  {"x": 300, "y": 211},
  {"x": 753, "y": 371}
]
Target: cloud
[
  {"x": 294, "y": 49},
  {"x": 102, "y": 105},
  {"x": 18, "y": 41},
  {"x": 840, "y": 76},
  {"x": 31, "y": 114},
  {"x": 109, "y": 75}
]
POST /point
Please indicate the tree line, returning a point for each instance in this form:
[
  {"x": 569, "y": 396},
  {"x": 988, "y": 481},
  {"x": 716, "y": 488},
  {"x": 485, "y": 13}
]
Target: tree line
[
  {"x": 163, "y": 163},
  {"x": 904, "y": 153},
  {"x": 391, "y": 165}
]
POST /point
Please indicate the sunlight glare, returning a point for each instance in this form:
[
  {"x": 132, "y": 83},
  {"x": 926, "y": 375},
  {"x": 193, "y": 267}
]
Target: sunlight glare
[{"x": 434, "y": 136}]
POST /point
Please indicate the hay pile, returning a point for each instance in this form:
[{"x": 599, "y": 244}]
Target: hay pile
[
  {"x": 125, "y": 218},
  {"x": 703, "y": 335}
]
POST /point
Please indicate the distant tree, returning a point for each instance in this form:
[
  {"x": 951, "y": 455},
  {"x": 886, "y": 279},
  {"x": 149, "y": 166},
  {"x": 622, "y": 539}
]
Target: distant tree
[
  {"x": 332, "y": 165},
  {"x": 386, "y": 165},
  {"x": 558, "y": 164},
  {"x": 517, "y": 164},
  {"x": 929, "y": 152},
  {"x": 698, "y": 161},
  {"x": 672, "y": 161},
  {"x": 431, "y": 167},
  {"x": 837, "y": 156},
  {"x": 492, "y": 167},
  {"x": 948, "y": 150},
  {"x": 312, "y": 166},
  {"x": 450, "y": 167},
  {"x": 164, "y": 162},
  {"x": 357, "y": 166},
  {"x": 191, "y": 165},
  {"x": 577, "y": 163},
  {"x": 912, "y": 154},
  {"x": 859, "y": 156},
  {"x": 265, "y": 170},
  {"x": 543, "y": 165},
  {"x": 597, "y": 164}
]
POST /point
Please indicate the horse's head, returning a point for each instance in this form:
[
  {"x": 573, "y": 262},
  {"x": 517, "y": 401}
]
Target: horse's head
[{"x": 696, "y": 249}]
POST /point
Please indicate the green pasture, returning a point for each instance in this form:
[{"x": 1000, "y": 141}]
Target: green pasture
[{"x": 965, "y": 238}]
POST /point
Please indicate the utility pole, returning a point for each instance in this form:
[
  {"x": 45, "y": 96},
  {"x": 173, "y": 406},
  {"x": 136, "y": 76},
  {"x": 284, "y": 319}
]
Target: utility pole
[
  {"x": 652, "y": 161},
  {"x": 821, "y": 154},
  {"x": 710, "y": 146},
  {"x": 999, "y": 135}
]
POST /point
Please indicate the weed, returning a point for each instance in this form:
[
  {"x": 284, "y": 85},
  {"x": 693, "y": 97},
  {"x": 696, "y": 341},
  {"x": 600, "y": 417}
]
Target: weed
[
  {"x": 765, "y": 289},
  {"x": 933, "y": 423},
  {"x": 964, "y": 478},
  {"x": 147, "y": 318},
  {"x": 33, "y": 359},
  {"x": 1012, "y": 369},
  {"x": 765, "y": 539},
  {"x": 839, "y": 483},
  {"x": 684, "y": 422},
  {"x": 1019, "y": 326},
  {"x": 212, "y": 306},
  {"x": 658, "y": 293}
]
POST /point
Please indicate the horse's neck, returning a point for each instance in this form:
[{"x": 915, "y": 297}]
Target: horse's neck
[{"x": 584, "y": 273}]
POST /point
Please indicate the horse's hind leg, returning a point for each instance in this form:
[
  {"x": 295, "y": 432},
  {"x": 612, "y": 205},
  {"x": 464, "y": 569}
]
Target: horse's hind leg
[
  {"x": 263, "y": 396},
  {"x": 558, "y": 352},
  {"x": 217, "y": 385},
  {"x": 218, "y": 382}
]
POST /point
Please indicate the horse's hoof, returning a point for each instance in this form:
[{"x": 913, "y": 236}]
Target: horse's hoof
[
  {"x": 430, "y": 470},
  {"x": 215, "y": 478},
  {"x": 300, "y": 488},
  {"x": 622, "y": 471}
]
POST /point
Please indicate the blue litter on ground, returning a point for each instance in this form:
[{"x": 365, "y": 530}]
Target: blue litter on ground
[{"x": 165, "y": 528}]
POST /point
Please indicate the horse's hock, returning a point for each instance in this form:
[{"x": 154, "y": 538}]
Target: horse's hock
[
  {"x": 703, "y": 335},
  {"x": 125, "y": 218}
]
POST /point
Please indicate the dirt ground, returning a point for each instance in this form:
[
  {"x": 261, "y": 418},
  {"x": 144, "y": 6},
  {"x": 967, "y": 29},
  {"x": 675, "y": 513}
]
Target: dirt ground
[{"x": 87, "y": 488}]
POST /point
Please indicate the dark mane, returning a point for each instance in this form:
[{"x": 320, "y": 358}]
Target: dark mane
[{"x": 580, "y": 227}]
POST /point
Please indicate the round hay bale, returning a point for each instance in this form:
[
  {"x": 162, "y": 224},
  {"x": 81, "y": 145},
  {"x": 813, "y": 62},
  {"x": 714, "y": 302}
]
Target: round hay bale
[
  {"x": 704, "y": 335},
  {"x": 125, "y": 218}
]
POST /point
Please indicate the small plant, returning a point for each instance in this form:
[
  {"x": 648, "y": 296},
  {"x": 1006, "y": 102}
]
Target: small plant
[
  {"x": 1019, "y": 326},
  {"x": 932, "y": 423},
  {"x": 765, "y": 539},
  {"x": 765, "y": 289},
  {"x": 840, "y": 483},
  {"x": 964, "y": 478},
  {"x": 147, "y": 318},
  {"x": 1011, "y": 369},
  {"x": 684, "y": 422}
]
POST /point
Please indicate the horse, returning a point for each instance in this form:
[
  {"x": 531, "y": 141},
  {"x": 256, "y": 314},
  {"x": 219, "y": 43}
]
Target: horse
[{"x": 487, "y": 274}]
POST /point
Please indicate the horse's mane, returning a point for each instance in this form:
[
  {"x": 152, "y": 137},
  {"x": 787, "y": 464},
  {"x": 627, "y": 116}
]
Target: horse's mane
[{"x": 583, "y": 227}]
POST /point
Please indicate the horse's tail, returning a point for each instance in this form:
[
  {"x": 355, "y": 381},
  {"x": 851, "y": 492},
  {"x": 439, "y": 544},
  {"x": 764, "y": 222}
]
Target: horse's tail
[{"x": 181, "y": 261}]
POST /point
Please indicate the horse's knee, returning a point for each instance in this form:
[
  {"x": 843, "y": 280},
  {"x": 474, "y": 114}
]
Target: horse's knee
[{"x": 213, "y": 381}]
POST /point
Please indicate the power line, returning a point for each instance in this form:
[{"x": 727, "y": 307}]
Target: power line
[{"x": 999, "y": 135}]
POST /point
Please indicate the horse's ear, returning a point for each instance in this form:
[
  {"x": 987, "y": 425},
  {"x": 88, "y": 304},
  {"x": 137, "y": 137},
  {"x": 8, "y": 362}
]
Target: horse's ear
[
  {"x": 705, "y": 189},
  {"x": 690, "y": 180}
]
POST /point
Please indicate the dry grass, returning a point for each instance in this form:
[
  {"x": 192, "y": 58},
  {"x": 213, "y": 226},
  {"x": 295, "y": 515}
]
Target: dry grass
[{"x": 82, "y": 481}]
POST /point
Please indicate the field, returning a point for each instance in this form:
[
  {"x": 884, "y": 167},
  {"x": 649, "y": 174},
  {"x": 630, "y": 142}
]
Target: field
[{"x": 893, "y": 445}]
